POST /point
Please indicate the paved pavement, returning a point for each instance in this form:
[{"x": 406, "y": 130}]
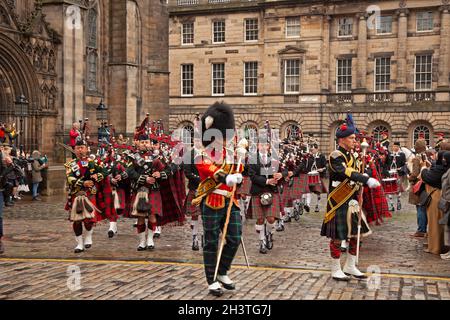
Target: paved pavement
[{"x": 39, "y": 260}]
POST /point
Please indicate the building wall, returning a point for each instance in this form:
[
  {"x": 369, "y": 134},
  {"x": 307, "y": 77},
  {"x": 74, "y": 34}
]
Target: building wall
[{"x": 318, "y": 109}]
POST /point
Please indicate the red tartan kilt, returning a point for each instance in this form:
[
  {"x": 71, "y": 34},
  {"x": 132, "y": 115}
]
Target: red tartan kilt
[
  {"x": 155, "y": 201},
  {"x": 245, "y": 186},
  {"x": 375, "y": 205},
  {"x": 319, "y": 188},
  {"x": 260, "y": 212},
  {"x": 189, "y": 208},
  {"x": 286, "y": 196},
  {"x": 300, "y": 186}
]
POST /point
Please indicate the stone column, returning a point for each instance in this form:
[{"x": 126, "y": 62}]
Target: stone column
[
  {"x": 443, "y": 82},
  {"x": 402, "y": 43},
  {"x": 325, "y": 65},
  {"x": 361, "y": 63}
]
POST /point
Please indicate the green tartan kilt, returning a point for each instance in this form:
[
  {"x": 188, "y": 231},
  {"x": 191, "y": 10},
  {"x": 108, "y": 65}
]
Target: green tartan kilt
[{"x": 337, "y": 228}]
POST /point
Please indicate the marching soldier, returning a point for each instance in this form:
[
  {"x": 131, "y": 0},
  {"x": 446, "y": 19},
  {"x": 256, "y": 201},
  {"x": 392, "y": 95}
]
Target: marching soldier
[
  {"x": 339, "y": 223},
  {"x": 218, "y": 177},
  {"x": 83, "y": 178},
  {"x": 397, "y": 161},
  {"x": 320, "y": 164},
  {"x": 385, "y": 140},
  {"x": 191, "y": 173},
  {"x": 266, "y": 200},
  {"x": 145, "y": 175}
]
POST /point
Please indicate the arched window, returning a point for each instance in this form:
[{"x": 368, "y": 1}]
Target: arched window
[
  {"x": 292, "y": 132},
  {"x": 92, "y": 51},
  {"x": 377, "y": 131},
  {"x": 421, "y": 131},
  {"x": 251, "y": 134},
  {"x": 187, "y": 134}
]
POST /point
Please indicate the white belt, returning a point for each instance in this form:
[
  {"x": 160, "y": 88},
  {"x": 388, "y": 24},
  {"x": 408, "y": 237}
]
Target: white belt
[
  {"x": 335, "y": 184},
  {"x": 222, "y": 193}
]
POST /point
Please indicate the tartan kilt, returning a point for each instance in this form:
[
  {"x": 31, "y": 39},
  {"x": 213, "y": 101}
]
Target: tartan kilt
[
  {"x": 319, "y": 188},
  {"x": 93, "y": 199},
  {"x": 375, "y": 205},
  {"x": 122, "y": 198},
  {"x": 245, "y": 186},
  {"x": 286, "y": 196},
  {"x": 300, "y": 186},
  {"x": 189, "y": 208},
  {"x": 154, "y": 200},
  {"x": 337, "y": 228},
  {"x": 259, "y": 212}
]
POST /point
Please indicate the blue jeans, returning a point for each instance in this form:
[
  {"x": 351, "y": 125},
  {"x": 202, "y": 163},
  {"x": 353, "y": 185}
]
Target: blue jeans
[
  {"x": 35, "y": 189},
  {"x": 422, "y": 219},
  {"x": 1, "y": 214}
]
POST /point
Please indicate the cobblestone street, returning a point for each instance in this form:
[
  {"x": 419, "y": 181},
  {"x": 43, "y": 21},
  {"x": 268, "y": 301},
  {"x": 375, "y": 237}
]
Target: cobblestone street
[{"x": 39, "y": 259}]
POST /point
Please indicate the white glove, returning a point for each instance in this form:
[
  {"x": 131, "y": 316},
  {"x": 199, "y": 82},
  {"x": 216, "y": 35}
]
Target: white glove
[
  {"x": 233, "y": 179},
  {"x": 373, "y": 183},
  {"x": 239, "y": 177}
]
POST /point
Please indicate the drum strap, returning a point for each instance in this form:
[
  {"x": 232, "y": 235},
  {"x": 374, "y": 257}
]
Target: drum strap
[{"x": 338, "y": 197}]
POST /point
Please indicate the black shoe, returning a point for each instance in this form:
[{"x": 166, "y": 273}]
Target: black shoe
[
  {"x": 9, "y": 204},
  {"x": 78, "y": 250},
  {"x": 110, "y": 234},
  {"x": 88, "y": 246},
  {"x": 150, "y": 247},
  {"x": 356, "y": 277},
  {"x": 141, "y": 249},
  {"x": 307, "y": 208},
  {"x": 342, "y": 279},
  {"x": 216, "y": 292},
  {"x": 399, "y": 206},
  {"x": 230, "y": 286},
  {"x": 317, "y": 209},
  {"x": 157, "y": 235}
]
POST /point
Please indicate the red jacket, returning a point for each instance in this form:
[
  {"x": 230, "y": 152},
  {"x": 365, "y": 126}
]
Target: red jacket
[{"x": 73, "y": 136}]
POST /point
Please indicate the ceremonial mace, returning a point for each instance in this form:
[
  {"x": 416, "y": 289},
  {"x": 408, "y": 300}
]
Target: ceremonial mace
[
  {"x": 241, "y": 151},
  {"x": 364, "y": 146}
]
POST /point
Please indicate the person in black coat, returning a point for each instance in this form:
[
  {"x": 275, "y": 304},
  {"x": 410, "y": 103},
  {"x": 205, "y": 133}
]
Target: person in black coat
[
  {"x": 265, "y": 175},
  {"x": 397, "y": 161}
]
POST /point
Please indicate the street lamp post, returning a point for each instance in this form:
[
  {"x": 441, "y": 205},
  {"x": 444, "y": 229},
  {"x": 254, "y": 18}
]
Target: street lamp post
[
  {"x": 102, "y": 118},
  {"x": 21, "y": 111}
]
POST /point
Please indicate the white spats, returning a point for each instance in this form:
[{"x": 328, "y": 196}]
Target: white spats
[
  {"x": 194, "y": 225},
  {"x": 113, "y": 227},
  {"x": 224, "y": 279},
  {"x": 336, "y": 271},
  {"x": 142, "y": 240},
  {"x": 215, "y": 286},
  {"x": 260, "y": 229},
  {"x": 350, "y": 267},
  {"x": 150, "y": 242},
  {"x": 270, "y": 227},
  {"x": 80, "y": 244},
  {"x": 88, "y": 238}
]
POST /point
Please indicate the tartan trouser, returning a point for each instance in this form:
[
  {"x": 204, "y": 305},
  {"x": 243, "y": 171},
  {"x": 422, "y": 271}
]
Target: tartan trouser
[{"x": 213, "y": 222}]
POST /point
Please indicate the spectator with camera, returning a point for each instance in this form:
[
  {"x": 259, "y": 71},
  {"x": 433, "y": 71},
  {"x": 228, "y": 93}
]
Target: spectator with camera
[{"x": 39, "y": 164}]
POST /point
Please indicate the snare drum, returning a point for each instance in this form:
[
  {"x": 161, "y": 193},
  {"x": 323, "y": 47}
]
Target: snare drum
[
  {"x": 390, "y": 185},
  {"x": 313, "y": 178},
  {"x": 393, "y": 173}
]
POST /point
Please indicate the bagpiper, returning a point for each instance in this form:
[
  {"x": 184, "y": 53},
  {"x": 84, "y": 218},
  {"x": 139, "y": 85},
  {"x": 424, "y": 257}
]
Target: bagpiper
[
  {"x": 264, "y": 173},
  {"x": 219, "y": 176},
  {"x": 339, "y": 223},
  {"x": 83, "y": 177},
  {"x": 145, "y": 175},
  {"x": 384, "y": 142},
  {"x": 316, "y": 163}
]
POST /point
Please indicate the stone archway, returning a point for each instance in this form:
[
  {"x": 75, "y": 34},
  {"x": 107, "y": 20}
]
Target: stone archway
[{"x": 19, "y": 78}]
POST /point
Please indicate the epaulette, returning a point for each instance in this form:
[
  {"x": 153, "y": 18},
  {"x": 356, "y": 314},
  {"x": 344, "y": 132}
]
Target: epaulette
[
  {"x": 336, "y": 154},
  {"x": 69, "y": 163}
]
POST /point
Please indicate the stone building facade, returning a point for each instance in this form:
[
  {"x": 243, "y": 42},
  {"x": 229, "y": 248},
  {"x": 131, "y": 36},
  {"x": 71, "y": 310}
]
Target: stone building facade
[
  {"x": 65, "y": 57},
  {"x": 304, "y": 64}
]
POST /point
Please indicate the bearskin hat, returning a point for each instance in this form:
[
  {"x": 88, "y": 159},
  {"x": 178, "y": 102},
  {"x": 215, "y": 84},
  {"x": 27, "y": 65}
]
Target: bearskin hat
[{"x": 220, "y": 117}]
